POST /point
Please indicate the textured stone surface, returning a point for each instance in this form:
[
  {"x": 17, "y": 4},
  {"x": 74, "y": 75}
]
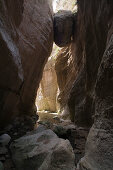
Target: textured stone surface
[
  {"x": 63, "y": 28},
  {"x": 65, "y": 5},
  {"x": 47, "y": 92},
  {"x": 66, "y": 73},
  {"x": 99, "y": 146},
  {"x": 42, "y": 150},
  {"x": 99, "y": 83},
  {"x": 25, "y": 44},
  {"x": 90, "y": 43}
]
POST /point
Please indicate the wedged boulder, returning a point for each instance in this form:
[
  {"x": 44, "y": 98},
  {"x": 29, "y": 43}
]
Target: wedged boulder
[
  {"x": 42, "y": 150},
  {"x": 25, "y": 44},
  {"x": 63, "y": 27}
]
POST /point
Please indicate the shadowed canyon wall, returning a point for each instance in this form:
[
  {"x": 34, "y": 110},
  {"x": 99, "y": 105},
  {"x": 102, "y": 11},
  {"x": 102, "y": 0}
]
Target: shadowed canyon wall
[
  {"x": 84, "y": 67},
  {"x": 94, "y": 50},
  {"x": 93, "y": 20},
  {"x": 90, "y": 100},
  {"x": 26, "y": 37}
]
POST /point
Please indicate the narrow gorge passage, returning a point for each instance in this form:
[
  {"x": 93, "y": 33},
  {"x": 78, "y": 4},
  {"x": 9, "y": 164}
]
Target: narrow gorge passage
[{"x": 56, "y": 85}]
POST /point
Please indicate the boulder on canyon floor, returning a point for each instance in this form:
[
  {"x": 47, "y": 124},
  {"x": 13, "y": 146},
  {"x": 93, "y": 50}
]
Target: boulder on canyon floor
[{"x": 42, "y": 151}]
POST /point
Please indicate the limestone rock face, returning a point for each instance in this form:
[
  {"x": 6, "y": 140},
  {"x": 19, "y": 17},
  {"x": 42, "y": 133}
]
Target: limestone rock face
[
  {"x": 77, "y": 100},
  {"x": 64, "y": 21},
  {"x": 59, "y": 71},
  {"x": 99, "y": 83},
  {"x": 65, "y": 5},
  {"x": 43, "y": 150},
  {"x": 66, "y": 73},
  {"x": 90, "y": 99},
  {"x": 26, "y": 36},
  {"x": 90, "y": 40},
  {"x": 99, "y": 146},
  {"x": 47, "y": 92}
]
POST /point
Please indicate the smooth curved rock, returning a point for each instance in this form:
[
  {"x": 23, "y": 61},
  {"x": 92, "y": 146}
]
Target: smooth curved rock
[
  {"x": 66, "y": 74},
  {"x": 26, "y": 38},
  {"x": 5, "y": 139}
]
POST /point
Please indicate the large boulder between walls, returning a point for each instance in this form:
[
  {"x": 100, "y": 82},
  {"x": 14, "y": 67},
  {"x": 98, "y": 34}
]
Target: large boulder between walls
[
  {"x": 63, "y": 27},
  {"x": 42, "y": 150},
  {"x": 25, "y": 44}
]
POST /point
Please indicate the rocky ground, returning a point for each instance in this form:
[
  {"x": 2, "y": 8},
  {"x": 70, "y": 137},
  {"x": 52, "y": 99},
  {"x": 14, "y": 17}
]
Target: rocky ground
[{"x": 26, "y": 136}]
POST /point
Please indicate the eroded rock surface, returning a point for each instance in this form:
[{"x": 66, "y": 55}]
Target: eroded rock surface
[
  {"x": 65, "y": 71},
  {"x": 90, "y": 99},
  {"x": 99, "y": 83},
  {"x": 25, "y": 44},
  {"x": 99, "y": 146},
  {"x": 47, "y": 92},
  {"x": 42, "y": 150}
]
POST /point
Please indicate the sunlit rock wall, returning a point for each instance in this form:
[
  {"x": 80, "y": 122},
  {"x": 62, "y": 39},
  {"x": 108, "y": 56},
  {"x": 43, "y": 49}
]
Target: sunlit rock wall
[
  {"x": 47, "y": 96},
  {"x": 47, "y": 92},
  {"x": 64, "y": 65}
]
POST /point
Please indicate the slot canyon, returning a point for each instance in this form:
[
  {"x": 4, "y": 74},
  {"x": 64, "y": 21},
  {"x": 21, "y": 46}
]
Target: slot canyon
[{"x": 56, "y": 84}]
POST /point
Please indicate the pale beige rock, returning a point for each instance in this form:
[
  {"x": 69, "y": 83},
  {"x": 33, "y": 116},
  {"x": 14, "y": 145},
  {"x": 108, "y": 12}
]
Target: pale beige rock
[
  {"x": 47, "y": 116},
  {"x": 46, "y": 96}
]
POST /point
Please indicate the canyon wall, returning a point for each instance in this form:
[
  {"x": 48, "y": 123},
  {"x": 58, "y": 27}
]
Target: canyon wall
[
  {"x": 98, "y": 41},
  {"x": 90, "y": 99},
  {"x": 26, "y": 37},
  {"x": 59, "y": 68},
  {"x": 84, "y": 68},
  {"x": 90, "y": 37},
  {"x": 48, "y": 89}
]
